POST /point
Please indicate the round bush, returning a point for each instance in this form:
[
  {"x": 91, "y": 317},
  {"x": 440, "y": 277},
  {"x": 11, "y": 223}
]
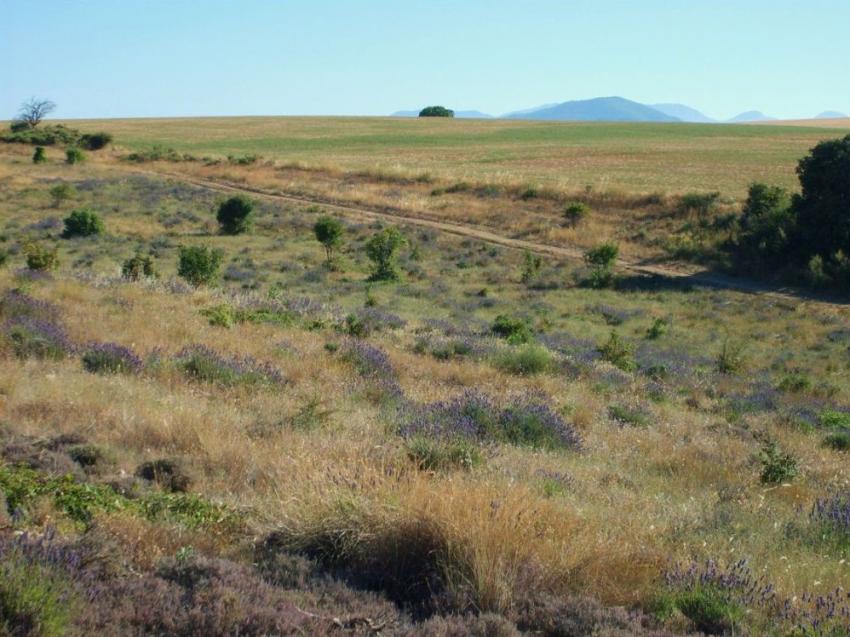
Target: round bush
[
  {"x": 199, "y": 265},
  {"x": 74, "y": 156},
  {"x": 436, "y": 111},
  {"x": 39, "y": 156},
  {"x": 83, "y": 223},
  {"x": 235, "y": 215}
]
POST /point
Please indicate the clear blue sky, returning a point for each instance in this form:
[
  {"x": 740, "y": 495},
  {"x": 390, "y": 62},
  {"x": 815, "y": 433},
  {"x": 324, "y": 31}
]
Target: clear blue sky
[{"x": 114, "y": 58}]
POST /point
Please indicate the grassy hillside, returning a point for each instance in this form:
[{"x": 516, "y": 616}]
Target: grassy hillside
[
  {"x": 298, "y": 450},
  {"x": 635, "y": 158}
]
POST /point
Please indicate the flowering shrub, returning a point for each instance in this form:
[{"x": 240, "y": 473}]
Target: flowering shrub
[
  {"x": 373, "y": 364},
  {"x": 110, "y": 358},
  {"x": 203, "y": 363},
  {"x": 526, "y": 421},
  {"x": 32, "y": 337}
]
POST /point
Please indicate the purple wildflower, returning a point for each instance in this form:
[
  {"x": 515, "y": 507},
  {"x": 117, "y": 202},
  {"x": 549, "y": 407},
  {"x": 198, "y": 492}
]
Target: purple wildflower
[
  {"x": 110, "y": 358},
  {"x": 204, "y": 363}
]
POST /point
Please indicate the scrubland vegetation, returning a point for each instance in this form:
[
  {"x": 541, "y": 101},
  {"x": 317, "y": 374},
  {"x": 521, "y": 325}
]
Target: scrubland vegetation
[{"x": 247, "y": 416}]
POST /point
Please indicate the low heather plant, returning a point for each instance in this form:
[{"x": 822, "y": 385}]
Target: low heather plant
[
  {"x": 37, "y": 338},
  {"x": 110, "y": 358},
  {"x": 203, "y": 363}
]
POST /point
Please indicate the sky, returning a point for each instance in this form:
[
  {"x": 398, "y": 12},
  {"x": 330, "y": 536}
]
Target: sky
[{"x": 135, "y": 58}]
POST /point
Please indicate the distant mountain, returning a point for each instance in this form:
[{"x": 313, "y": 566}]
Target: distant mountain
[
  {"x": 458, "y": 114},
  {"x": 750, "y": 116},
  {"x": 600, "y": 109},
  {"x": 830, "y": 115},
  {"x": 682, "y": 112},
  {"x": 472, "y": 115}
]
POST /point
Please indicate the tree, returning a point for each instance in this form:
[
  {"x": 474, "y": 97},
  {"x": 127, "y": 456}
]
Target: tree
[
  {"x": 328, "y": 231},
  {"x": 235, "y": 215},
  {"x": 823, "y": 206},
  {"x": 34, "y": 110},
  {"x": 381, "y": 249},
  {"x": 436, "y": 111},
  {"x": 39, "y": 156}
]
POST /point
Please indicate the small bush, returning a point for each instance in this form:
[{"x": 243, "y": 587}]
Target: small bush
[
  {"x": 618, "y": 352},
  {"x": 575, "y": 213},
  {"x": 4, "y": 257},
  {"x": 199, "y": 265},
  {"x": 95, "y": 141},
  {"x": 202, "y": 363},
  {"x": 235, "y": 215},
  {"x": 37, "y": 338},
  {"x": 74, "y": 156},
  {"x": 529, "y": 193},
  {"x": 700, "y": 203},
  {"x": 381, "y": 250},
  {"x": 42, "y": 135},
  {"x": 62, "y": 192},
  {"x": 777, "y": 466},
  {"x": 83, "y": 223},
  {"x": 439, "y": 455},
  {"x": 110, "y": 358},
  {"x": 39, "y": 156},
  {"x": 531, "y": 265},
  {"x": 730, "y": 360},
  {"x": 526, "y": 360},
  {"x": 515, "y": 331},
  {"x": 628, "y": 416},
  {"x": 795, "y": 383},
  {"x": 839, "y": 441},
  {"x": 167, "y": 473},
  {"x": 602, "y": 259},
  {"x": 139, "y": 266},
  {"x": 40, "y": 258},
  {"x": 658, "y": 329}
]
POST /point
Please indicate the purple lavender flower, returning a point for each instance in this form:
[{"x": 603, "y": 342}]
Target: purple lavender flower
[
  {"x": 16, "y": 304},
  {"x": 110, "y": 358},
  {"x": 204, "y": 363},
  {"x": 37, "y": 338}
]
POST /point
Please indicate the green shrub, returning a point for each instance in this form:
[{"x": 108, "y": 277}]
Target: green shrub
[
  {"x": 575, "y": 212},
  {"x": 766, "y": 226},
  {"x": 777, "y": 466},
  {"x": 62, "y": 192},
  {"x": 42, "y": 136},
  {"x": 515, "y": 331},
  {"x": 235, "y": 215},
  {"x": 658, "y": 329},
  {"x": 709, "y": 608},
  {"x": 35, "y": 600},
  {"x": 839, "y": 441},
  {"x": 95, "y": 141},
  {"x": 436, "y": 111},
  {"x": 74, "y": 156},
  {"x": 618, "y": 352},
  {"x": 530, "y": 192},
  {"x": 795, "y": 383},
  {"x": 39, "y": 156},
  {"x": 4, "y": 257},
  {"x": 837, "y": 420},
  {"x": 526, "y": 360},
  {"x": 139, "y": 266},
  {"x": 730, "y": 360},
  {"x": 199, "y": 265},
  {"x": 628, "y": 416},
  {"x": 602, "y": 259},
  {"x": 328, "y": 231},
  {"x": 698, "y": 202},
  {"x": 440, "y": 455},
  {"x": 41, "y": 258},
  {"x": 531, "y": 265},
  {"x": 381, "y": 250},
  {"x": 83, "y": 223}
]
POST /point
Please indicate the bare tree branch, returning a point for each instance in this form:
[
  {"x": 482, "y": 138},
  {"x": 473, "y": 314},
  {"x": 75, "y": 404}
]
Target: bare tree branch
[{"x": 34, "y": 110}]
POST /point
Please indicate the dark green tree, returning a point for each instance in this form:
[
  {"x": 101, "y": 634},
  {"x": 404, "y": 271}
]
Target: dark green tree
[
  {"x": 83, "y": 223},
  {"x": 199, "y": 265},
  {"x": 436, "y": 111},
  {"x": 235, "y": 215},
  {"x": 328, "y": 231}
]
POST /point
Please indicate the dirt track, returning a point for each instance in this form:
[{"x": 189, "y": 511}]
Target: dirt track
[{"x": 703, "y": 278}]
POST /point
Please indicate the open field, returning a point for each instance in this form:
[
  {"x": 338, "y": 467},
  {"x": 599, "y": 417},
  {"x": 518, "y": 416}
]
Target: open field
[
  {"x": 633, "y": 158},
  {"x": 835, "y": 124},
  {"x": 320, "y": 453}
]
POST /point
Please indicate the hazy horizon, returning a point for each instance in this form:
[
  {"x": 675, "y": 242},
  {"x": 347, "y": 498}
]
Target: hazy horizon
[{"x": 98, "y": 59}]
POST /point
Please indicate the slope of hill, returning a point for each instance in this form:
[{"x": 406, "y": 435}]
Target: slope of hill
[
  {"x": 831, "y": 115},
  {"x": 683, "y": 112},
  {"x": 600, "y": 109},
  {"x": 750, "y": 116}
]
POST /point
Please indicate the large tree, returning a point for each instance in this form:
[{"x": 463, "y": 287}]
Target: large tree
[
  {"x": 823, "y": 206},
  {"x": 34, "y": 110}
]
